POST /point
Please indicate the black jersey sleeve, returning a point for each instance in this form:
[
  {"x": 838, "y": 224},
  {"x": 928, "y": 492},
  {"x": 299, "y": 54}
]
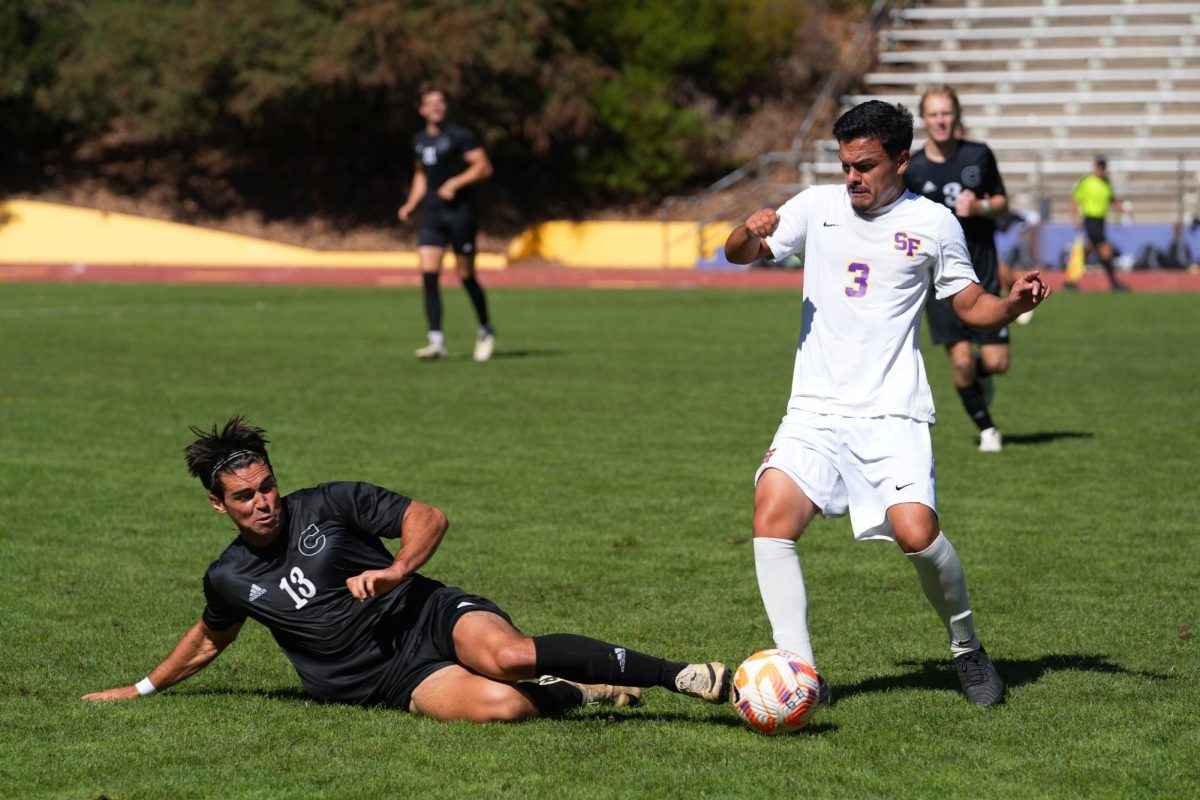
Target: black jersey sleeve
[
  {"x": 218, "y": 613},
  {"x": 367, "y": 508},
  {"x": 464, "y": 138},
  {"x": 993, "y": 184}
]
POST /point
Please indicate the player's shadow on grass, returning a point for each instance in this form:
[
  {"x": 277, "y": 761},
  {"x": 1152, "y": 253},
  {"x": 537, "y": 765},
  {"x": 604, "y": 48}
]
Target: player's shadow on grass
[
  {"x": 1044, "y": 436},
  {"x": 503, "y": 355},
  {"x": 937, "y": 674},
  {"x": 529, "y": 353},
  {"x": 717, "y": 715}
]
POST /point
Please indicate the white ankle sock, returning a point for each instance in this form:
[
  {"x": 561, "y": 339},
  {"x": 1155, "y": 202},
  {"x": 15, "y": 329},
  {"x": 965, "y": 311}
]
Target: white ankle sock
[
  {"x": 945, "y": 585},
  {"x": 437, "y": 337},
  {"x": 781, "y": 584}
]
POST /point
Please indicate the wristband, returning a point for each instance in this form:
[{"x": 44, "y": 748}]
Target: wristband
[
  {"x": 985, "y": 205},
  {"x": 145, "y": 688}
]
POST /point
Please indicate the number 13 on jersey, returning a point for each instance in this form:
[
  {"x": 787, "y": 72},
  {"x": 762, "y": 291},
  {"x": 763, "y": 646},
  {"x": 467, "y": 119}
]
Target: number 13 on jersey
[{"x": 304, "y": 591}]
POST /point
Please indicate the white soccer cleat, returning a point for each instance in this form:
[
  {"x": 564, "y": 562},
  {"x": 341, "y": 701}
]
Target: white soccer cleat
[
  {"x": 485, "y": 344},
  {"x": 601, "y": 694},
  {"x": 990, "y": 441},
  {"x": 432, "y": 351}
]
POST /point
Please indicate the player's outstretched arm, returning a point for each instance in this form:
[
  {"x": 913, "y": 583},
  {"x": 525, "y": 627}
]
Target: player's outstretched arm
[
  {"x": 421, "y": 531},
  {"x": 987, "y": 312},
  {"x": 195, "y": 651},
  {"x": 745, "y": 242}
]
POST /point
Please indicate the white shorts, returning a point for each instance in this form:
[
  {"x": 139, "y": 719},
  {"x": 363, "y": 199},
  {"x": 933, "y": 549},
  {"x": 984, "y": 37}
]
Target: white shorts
[{"x": 864, "y": 464}]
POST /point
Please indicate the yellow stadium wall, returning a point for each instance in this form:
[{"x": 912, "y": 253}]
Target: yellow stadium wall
[
  {"x": 627, "y": 245},
  {"x": 33, "y": 232}
]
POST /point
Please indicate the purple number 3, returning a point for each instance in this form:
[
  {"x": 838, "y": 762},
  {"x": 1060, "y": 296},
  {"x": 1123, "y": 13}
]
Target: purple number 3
[{"x": 859, "y": 287}]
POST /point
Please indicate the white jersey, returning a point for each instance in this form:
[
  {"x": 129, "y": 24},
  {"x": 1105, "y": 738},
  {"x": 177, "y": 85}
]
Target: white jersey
[{"x": 865, "y": 283}]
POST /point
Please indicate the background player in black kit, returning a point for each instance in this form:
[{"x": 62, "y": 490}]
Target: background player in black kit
[
  {"x": 449, "y": 158},
  {"x": 963, "y": 175},
  {"x": 362, "y": 626}
]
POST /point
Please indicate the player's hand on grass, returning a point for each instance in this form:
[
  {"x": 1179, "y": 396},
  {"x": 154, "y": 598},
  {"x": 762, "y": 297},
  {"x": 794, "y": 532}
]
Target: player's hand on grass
[
  {"x": 373, "y": 582},
  {"x": 120, "y": 693},
  {"x": 762, "y": 223},
  {"x": 1027, "y": 292}
]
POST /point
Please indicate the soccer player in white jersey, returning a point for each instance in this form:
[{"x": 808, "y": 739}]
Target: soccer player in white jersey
[{"x": 856, "y": 433}]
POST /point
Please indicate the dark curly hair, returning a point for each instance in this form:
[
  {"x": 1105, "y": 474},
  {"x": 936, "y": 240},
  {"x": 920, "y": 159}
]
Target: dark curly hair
[
  {"x": 875, "y": 119},
  {"x": 215, "y": 453}
]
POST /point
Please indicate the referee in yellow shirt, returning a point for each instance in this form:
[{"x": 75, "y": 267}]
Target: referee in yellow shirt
[{"x": 1090, "y": 201}]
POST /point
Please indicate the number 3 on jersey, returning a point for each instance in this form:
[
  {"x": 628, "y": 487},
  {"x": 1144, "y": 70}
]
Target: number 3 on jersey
[
  {"x": 304, "y": 590},
  {"x": 858, "y": 286}
]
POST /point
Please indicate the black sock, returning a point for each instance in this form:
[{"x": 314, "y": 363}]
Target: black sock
[
  {"x": 433, "y": 300},
  {"x": 972, "y": 400},
  {"x": 980, "y": 370},
  {"x": 552, "y": 699},
  {"x": 1107, "y": 263},
  {"x": 475, "y": 292},
  {"x": 584, "y": 660}
]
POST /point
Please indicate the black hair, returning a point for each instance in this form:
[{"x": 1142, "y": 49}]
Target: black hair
[
  {"x": 875, "y": 119},
  {"x": 214, "y": 453}
]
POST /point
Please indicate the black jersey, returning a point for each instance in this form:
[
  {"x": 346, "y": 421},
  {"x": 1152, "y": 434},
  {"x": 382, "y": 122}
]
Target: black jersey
[
  {"x": 441, "y": 157},
  {"x": 972, "y": 167},
  {"x": 343, "y": 650}
]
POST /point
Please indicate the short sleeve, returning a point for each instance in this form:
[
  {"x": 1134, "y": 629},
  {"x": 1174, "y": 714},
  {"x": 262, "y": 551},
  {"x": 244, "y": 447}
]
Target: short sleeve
[
  {"x": 788, "y": 239},
  {"x": 995, "y": 183},
  {"x": 953, "y": 271},
  {"x": 218, "y": 613},
  {"x": 369, "y": 509},
  {"x": 466, "y": 139}
]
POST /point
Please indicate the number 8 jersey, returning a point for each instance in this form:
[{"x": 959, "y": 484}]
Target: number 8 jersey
[{"x": 866, "y": 278}]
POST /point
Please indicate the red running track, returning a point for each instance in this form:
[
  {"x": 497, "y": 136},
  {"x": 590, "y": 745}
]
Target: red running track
[{"x": 538, "y": 275}]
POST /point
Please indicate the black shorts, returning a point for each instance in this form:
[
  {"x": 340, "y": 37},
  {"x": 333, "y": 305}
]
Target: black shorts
[
  {"x": 1094, "y": 228},
  {"x": 443, "y": 225},
  {"x": 945, "y": 327},
  {"x": 429, "y": 645}
]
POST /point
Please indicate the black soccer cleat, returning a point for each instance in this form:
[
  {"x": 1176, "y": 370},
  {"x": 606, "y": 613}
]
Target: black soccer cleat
[{"x": 980, "y": 681}]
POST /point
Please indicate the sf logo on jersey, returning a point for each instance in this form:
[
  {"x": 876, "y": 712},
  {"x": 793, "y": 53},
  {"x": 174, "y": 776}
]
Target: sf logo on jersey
[{"x": 906, "y": 244}]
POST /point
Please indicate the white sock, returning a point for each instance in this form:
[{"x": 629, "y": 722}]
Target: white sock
[
  {"x": 437, "y": 337},
  {"x": 944, "y": 583},
  {"x": 781, "y": 584}
]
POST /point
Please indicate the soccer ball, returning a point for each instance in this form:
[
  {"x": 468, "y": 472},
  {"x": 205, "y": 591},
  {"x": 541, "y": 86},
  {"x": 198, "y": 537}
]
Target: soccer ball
[{"x": 775, "y": 691}]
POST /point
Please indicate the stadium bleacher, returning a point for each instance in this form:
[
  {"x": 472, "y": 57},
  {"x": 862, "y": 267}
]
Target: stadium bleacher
[
  {"x": 1047, "y": 84},
  {"x": 1050, "y": 84}
]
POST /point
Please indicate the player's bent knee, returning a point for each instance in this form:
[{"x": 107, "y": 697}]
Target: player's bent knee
[
  {"x": 513, "y": 662},
  {"x": 505, "y": 704},
  {"x": 996, "y": 366}
]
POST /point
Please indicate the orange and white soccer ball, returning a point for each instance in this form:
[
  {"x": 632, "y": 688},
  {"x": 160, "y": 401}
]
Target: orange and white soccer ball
[{"x": 775, "y": 691}]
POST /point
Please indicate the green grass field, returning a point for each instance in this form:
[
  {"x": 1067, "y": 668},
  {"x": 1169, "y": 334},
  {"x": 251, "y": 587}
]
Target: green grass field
[{"x": 597, "y": 475}]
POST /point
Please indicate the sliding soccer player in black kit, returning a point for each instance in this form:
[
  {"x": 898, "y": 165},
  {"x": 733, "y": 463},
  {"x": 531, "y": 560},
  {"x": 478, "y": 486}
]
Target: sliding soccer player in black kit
[{"x": 361, "y": 625}]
